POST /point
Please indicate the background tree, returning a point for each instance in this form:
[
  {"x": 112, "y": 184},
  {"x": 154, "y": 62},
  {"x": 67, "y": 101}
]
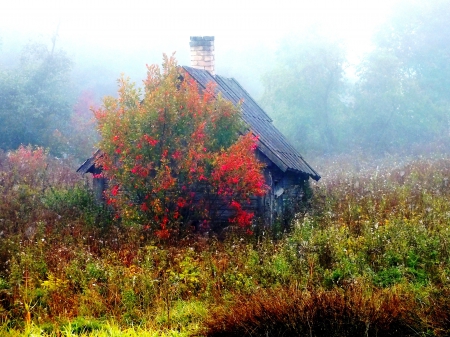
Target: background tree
[
  {"x": 417, "y": 34},
  {"x": 173, "y": 157},
  {"x": 35, "y": 98},
  {"x": 80, "y": 137},
  {"x": 401, "y": 98},
  {"x": 305, "y": 92},
  {"x": 391, "y": 110}
]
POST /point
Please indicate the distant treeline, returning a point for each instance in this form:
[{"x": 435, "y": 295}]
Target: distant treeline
[
  {"x": 40, "y": 104},
  {"x": 394, "y": 100},
  {"x": 399, "y": 98}
]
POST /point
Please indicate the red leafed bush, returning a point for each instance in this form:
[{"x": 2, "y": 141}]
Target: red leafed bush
[{"x": 173, "y": 155}]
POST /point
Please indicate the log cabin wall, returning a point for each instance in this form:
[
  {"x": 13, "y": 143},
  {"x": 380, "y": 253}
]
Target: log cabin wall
[
  {"x": 99, "y": 186},
  {"x": 287, "y": 194}
]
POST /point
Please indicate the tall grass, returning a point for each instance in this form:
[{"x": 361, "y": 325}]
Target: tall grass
[
  {"x": 369, "y": 258},
  {"x": 354, "y": 311}
]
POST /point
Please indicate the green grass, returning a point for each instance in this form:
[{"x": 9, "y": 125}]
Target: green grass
[{"x": 106, "y": 329}]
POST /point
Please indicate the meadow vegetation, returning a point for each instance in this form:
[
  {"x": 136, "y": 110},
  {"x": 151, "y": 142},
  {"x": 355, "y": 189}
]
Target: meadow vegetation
[{"x": 369, "y": 258}]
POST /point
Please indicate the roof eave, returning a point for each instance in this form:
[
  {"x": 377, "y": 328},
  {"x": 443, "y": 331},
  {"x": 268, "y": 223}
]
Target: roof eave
[{"x": 89, "y": 165}]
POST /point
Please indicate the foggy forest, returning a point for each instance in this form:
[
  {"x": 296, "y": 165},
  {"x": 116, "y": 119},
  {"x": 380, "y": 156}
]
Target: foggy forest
[{"x": 364, "y": 250}]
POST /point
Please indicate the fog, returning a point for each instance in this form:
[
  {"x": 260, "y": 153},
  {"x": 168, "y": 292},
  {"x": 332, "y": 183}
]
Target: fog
[
  {"x": 256, "y": 43},
  {"x": 124, "y": 36}
]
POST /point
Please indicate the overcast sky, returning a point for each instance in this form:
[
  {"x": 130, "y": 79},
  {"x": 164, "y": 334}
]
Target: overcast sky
[
  {"x": 126, "y": 33},
  {"x": 136, "y": 23}
]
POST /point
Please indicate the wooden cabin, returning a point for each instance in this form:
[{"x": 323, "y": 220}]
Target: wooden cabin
[{"x": 286, "y": 172}]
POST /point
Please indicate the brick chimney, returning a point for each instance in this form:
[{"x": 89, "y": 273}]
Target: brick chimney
[{"x": 202, "y": 52}]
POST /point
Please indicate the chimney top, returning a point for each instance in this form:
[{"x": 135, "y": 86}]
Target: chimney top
[
  {"x": 202, "y": 52},
  {"x": 202, "y": 38}
]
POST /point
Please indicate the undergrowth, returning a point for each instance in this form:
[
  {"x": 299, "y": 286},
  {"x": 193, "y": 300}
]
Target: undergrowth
[{"x": 371, "y": 257}]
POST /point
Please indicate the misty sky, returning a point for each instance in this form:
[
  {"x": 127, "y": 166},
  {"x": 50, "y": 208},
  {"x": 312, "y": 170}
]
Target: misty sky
[
  {"x": 133, "y": 24},
  {"x": 124, "y": 35}
]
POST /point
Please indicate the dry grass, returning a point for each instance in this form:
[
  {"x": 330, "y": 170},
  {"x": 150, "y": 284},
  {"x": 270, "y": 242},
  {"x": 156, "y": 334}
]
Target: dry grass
[{"x": 288, "y": 312}]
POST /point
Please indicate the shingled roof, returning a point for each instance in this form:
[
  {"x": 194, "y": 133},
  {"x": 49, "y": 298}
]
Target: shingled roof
[
  {"x": 272, "y": 143},
  {"x": 89, "y": 165}
]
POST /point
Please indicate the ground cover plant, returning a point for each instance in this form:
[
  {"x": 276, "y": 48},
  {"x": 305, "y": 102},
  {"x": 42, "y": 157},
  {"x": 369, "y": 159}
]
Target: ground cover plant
[{"x": 369, "y": 258}]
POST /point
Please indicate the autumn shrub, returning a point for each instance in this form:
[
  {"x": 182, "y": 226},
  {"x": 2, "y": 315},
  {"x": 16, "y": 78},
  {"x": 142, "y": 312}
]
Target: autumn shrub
[
  {"x": 25, "y": 176},
  {"x": 174, "y": 158}
]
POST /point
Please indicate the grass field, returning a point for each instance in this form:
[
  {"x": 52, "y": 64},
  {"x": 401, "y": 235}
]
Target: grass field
[{"x": 370, "y": 258}]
